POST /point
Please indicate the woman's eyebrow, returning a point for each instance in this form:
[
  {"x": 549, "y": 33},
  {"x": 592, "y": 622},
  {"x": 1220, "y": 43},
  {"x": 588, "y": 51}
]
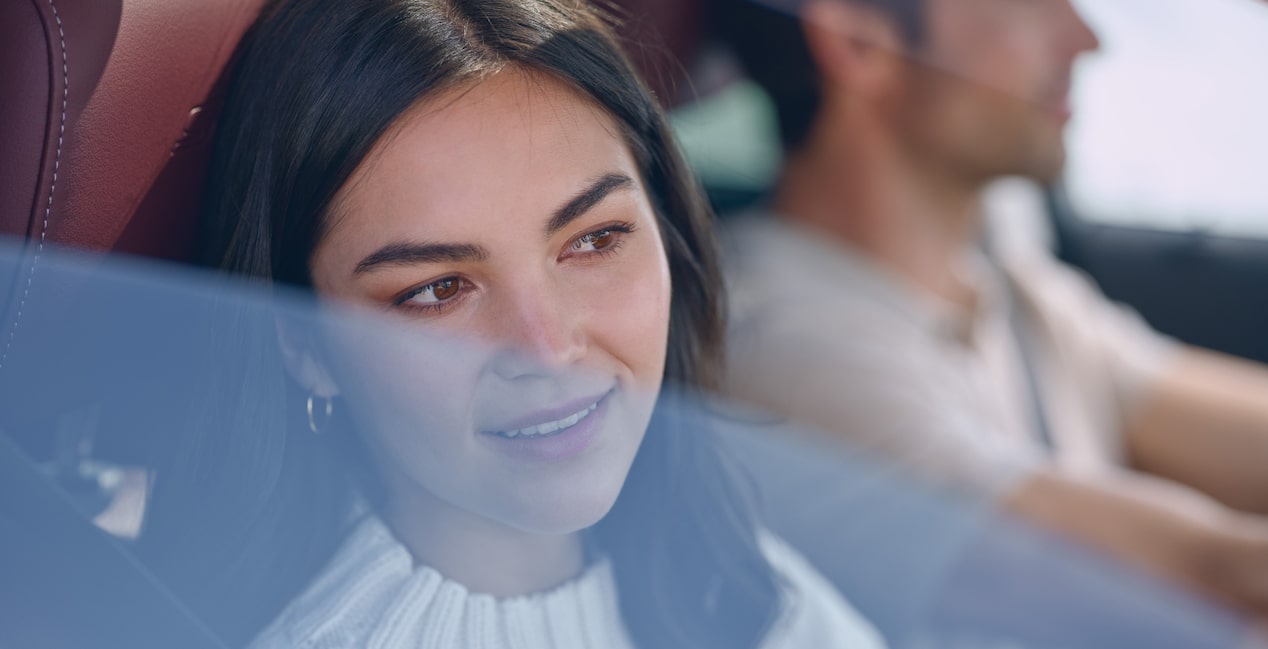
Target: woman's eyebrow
[
  {"x": 404, "y": 253},
  {"x": 397, "y": 254},
  {"x": 588, "y": 198}
]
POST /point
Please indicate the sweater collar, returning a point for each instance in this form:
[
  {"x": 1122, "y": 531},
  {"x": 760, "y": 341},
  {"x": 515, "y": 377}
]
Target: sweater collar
[{"x": 372, "y": 594}]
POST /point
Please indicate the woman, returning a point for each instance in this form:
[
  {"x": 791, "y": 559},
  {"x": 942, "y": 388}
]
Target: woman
[{"x": 489, "y": 168}]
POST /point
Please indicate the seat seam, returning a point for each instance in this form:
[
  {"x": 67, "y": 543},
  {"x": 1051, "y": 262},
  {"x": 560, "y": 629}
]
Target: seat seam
[{"x": 52, "y": 189}]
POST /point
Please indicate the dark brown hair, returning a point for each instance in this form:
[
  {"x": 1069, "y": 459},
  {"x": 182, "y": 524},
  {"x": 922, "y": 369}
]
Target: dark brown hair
[
  {"x": 767, "y": 37},
  {"x": 317, "y": 84}
]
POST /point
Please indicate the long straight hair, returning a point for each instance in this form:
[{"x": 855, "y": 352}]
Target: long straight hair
[{"x": 252, "y": 504}]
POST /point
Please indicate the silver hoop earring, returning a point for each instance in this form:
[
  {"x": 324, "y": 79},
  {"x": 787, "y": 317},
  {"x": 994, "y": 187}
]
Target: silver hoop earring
[{"x": 327, "y": 410}]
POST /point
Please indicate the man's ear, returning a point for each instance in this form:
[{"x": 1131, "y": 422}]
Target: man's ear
[
  {"x": 853, "y": 46},
  {"x": 303, "y": 363}
]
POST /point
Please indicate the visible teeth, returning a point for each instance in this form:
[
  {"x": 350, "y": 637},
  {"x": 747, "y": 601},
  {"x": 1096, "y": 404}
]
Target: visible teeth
[{"x": 550, "y": 426}]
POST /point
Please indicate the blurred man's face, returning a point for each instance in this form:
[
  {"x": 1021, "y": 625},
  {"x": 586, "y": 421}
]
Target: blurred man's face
[{"x": 987, "y": 91}]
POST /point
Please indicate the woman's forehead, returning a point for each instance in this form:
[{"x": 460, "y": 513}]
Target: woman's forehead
[
  {"x": 510, "y": 145},
  {"x": 512, "y": 113}
]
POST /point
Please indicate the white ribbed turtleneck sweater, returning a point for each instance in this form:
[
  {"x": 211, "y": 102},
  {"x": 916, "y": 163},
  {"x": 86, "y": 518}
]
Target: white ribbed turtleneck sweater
[{"x": 373, "y": 596}]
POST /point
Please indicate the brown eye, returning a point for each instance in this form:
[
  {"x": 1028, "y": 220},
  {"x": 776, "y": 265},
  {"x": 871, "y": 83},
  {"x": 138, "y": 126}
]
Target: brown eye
[
  {"x": 446, "y": 288},
  {"x": 595, "y": 240},
  {"x": 602, "y": 239},
  {"x": 435, "y": 292}
]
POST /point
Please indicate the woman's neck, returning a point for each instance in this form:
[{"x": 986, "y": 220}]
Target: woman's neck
[{"x": 481, "y": 554}]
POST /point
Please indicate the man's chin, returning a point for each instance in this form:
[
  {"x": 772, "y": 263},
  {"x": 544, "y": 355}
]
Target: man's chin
[
  {"x": 1045, "y": 163},
  {"x": 1047, "y": 176}
]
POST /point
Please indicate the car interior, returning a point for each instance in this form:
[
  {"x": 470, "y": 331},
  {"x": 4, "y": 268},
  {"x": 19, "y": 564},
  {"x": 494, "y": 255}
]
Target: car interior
[
  {"x": 107, "y": 108},
  {"x": 106, "y": 116}
]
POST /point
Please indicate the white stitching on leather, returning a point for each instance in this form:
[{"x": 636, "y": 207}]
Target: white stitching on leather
[{"x": 57, "y": 160}]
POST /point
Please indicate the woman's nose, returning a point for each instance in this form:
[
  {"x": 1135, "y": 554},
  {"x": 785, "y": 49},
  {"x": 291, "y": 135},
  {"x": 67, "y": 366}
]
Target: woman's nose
[{"x": 540, "y": 331}]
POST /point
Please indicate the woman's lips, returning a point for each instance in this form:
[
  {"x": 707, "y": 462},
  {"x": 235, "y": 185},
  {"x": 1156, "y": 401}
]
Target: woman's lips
[
  {"x": 549, "y": 427},
  {"x": 549, "y": 415},
  {"x": 563, "y": 441}
]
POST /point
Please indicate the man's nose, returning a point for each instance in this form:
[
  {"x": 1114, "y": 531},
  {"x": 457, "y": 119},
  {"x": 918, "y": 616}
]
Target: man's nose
[{"x": 1079, "y": 37}]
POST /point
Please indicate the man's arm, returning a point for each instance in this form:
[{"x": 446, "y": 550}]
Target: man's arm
[
  {"x": 882, "y": 402},
  {"x": 1205, "y": 424},
  {"x": 1163, "y": 528}
]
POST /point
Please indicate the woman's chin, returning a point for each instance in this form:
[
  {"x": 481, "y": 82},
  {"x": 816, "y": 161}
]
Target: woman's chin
[{"x": 565, "y": 511}]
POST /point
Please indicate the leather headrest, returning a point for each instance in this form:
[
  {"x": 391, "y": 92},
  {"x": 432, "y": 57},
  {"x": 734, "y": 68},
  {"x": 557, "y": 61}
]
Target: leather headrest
[
  {"x": 103, "y": 118},
  {"x": 106, "y": 114}
]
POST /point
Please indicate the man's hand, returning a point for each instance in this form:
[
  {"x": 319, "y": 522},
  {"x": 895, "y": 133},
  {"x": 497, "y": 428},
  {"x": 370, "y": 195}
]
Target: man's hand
[{"x": 1241, "y": 563}]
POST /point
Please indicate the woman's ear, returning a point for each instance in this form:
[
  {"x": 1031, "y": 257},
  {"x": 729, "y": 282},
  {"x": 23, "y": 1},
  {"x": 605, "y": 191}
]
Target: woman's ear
[
  {"x": 302, "y": 361},
  {"x": 854, "y": 47}
]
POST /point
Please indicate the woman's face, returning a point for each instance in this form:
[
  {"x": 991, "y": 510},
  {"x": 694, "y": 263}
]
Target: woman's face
[{"x": 506, "y": 223}]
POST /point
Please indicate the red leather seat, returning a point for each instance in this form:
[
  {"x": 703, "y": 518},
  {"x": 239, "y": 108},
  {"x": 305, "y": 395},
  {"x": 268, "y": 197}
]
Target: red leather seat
[
  {"x": 106, "y": 114},
  {"x": 106, "y": 109},
  {"x": 105, "y": 117}
]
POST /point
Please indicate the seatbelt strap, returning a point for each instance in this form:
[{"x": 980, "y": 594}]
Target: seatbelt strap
[{"x": 1022, "y": 328}]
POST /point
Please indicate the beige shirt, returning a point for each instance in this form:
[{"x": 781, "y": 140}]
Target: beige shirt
[{"x": 827, "y": 337}]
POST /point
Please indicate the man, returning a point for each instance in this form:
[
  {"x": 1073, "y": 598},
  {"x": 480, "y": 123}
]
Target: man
[{"x": 866, "y": 307}]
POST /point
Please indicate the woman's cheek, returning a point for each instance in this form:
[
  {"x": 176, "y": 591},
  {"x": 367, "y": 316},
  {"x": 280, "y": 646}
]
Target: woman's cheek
[
  {"x": 397, "y": 376},
  {"x": 629, "y": 310}
]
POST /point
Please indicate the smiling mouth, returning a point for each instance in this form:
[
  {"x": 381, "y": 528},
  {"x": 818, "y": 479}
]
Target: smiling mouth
[{"x": 551, "y": 427}]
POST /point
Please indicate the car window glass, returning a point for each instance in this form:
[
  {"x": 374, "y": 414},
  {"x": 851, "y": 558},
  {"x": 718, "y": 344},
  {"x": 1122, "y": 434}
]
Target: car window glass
[{"x": 1170, "y": 128}]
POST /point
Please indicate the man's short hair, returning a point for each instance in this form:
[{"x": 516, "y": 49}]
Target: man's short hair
[{"x": 767, "y": 38}]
